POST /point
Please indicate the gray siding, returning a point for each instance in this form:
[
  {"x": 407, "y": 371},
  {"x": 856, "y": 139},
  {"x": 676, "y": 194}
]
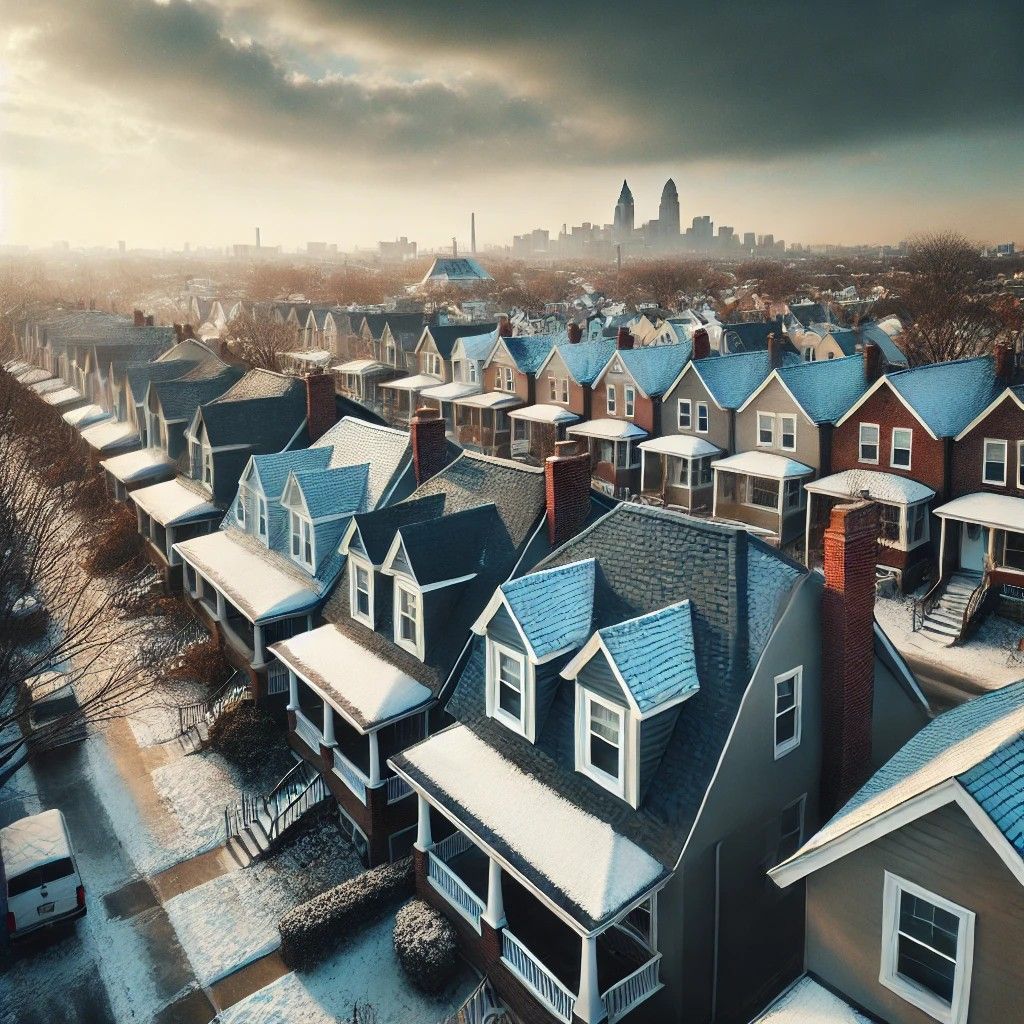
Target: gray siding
[
  {"x": 654, "y": 735},
  {"x": 598, "y": 677},
  {"x": 504, "y": 630},
  {"x": 719, "y": 420},
  {"x": 776, "y": 399}
]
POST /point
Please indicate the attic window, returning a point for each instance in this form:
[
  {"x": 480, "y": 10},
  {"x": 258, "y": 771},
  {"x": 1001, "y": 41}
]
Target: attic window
[
  {"x": 240, "y": 506},
  {"x": 765, "y": 430},
  {"x": 611, "y": 399},
  {"x": 684, "y": 414},
  {"x": 702, "y": 417},
  {"x": 601, "y": 740},
  {"x": 361, "y": 593},
  {"x": 302, "y": 541},
  {"x": 261, "y": 523}
]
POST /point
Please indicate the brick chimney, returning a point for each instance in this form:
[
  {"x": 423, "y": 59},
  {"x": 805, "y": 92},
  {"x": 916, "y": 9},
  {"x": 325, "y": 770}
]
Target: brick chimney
[
  {"x": 567, "y": 491},
  {"x": 1004, "y": 363},
  {"x": 504, "y": 327},
  {"x": 321, "y": 410},
  {"x": 872, "y": 362},
  {"x": 701, "y": 343},
  {"x": 179, "y": 332},
  {"x": 575, "y": 333},
  {"x": 149, "y": 320},
  {"x": 848, "y": 651},
  {"x": 774, "y": 351},
  {"x": 188, "y": 331},
  {"x": 624, "y": 339},
  {"x": 138, "y": 318},
  {"x": 426, "y": 432}
]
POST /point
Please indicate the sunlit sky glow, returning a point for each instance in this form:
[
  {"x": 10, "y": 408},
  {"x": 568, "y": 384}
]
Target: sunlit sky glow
[{"x": 353, "y": 120}]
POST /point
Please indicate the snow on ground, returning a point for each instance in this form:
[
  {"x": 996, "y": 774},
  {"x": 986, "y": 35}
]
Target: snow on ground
[
  {"x": 989, "y": 657},
  {"x": 364, "y": 972}
]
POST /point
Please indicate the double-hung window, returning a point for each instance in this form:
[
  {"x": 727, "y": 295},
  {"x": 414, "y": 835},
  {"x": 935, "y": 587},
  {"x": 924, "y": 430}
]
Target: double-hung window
[
  {"x": 868, "y": 443},
  {"x": 471, "y": 369},
  {"x": 765, "y": 430},
  {"x": 793, "y": 495},
  {"x": 791, "y": 830},
  {"x": 602, "y": 742},
  {"x": 554, "y": 388},
  {"x": 629, "y": 401},
  {"x": 684, "y": 413},
  {"x": 261, "y": 521},
  {"x": 565, "y": 390},
  {"x": 611, "y": 399},
  {"x": 302, "y": 540},
  {"x": 787, "y": 711},
  {"x": 240, "y": 507},
  {"x": 361, "y": 596},
  {"x": 994, "y": 469},
  {"x": 508, "y": 679},
  {"x": 787, "y": 431},
  {"x": 702, "y": 418},
  {"x": 510, "y": 379},
  {"x": 407, "y": 621},
  {"x": 902, "y": 440},
  {"x": 927, "y": 949},
  {"x": 207, "y": 467},
  {"x": 917, "y": 524}
]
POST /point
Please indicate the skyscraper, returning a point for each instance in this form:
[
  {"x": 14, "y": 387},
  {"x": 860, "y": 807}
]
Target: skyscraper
[
  {"x": 668, "y": 214},
  {"x": 624, "y": 213}
]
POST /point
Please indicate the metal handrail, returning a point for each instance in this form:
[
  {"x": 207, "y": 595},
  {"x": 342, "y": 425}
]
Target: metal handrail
[
  {"x": 922, "y": 607},
  {"x": 192, "y": 714},
  {"x": 974, "y": 603}
]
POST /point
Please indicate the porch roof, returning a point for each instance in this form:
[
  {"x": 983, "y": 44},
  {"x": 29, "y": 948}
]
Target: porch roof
[
  {"x": 45, "y": 387},
  {"x": 683, "y": 445},
  {"x": 576, "y": 860},
  {"x": 417, "y": 382},
  {"x": 172, "y": 503},
  {"x": 255, "y": 585},
  {"x": 775, "y": 467},
  {"x": 608, "y": 429},
  {"x": 544, "y": 414},
  {"x": 32, "y": 375},
  {"x": 491, "y": 400},
  {"x": 450, "y": 391},
  {"x": 310, "y": 355},
  {"x": 360, "y": 366},
  {"x": 110, "y": 434},
  {"x": 999, "y": 511},
  {"x": 138, "y": 465},
  {"x": 363, "y": 687},
  {"x": 886, "y": 487},
  {"x": 807, "y": 1002},
  {"x": 86, "y": 415},
  {"x": 62, "y": 396}
]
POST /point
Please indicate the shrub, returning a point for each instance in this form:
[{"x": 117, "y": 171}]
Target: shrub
[
  {"x": 202, "y": 662},
  {"x": 312, "y": 930},
  {"x": 427, "y": 946},
  {"x": 117, "y": 547},
  {"x": 242, "y": 733}
]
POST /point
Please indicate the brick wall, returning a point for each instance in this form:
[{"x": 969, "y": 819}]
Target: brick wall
[
  {"x": 644, "y": 408},
  {"x": 567, "y": 492},
  {"x": 321, "y": 410},
  {"x": 1004, "y": 423},
  {"x": 426, "y": 432}
]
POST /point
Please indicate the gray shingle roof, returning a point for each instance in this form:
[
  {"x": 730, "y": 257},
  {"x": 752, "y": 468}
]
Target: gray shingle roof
[
  {"x": 330, "y": 492},
  {"x": 273, "y": 469},
  {"x": 179, "y": 398},
  {"x": 377, "y": 529}
]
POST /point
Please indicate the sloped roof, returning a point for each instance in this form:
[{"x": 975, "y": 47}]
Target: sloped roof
[
  {"x": 140, "y": 375},
  {"x": 529, "y": 351},
  {"x": 377, "y": 529},
  {"x": 891, "y": 352},
  {"x": 331, "y": 492},
  {"x": 431, "y": 555},
  {"x": 181, "y": 396},
  {"x": 586, "y": 359},
  {"x": 808, "y": 313},
  {"x": 273, "y": 469},
  {"x": 732, "y": 379},
  {"x": 752, "y": 336},
  {"x": 879, "y": 486},
  {"x": 352, "y": 440},
  {"x": 807, "y": 1002},
  {"x": 947, "y": 396},
  {"x": 445, "y": 335},
  {"x": 655, "y": 367},
  {"x": 826, "y": 389},
  {"x": 997, "y": 784},
  {"x": 478, "y": 346},
  {"x": 261, "y": 412},
  {"x": 455, "y": 269},
  {"x": 846, "y": 339}
]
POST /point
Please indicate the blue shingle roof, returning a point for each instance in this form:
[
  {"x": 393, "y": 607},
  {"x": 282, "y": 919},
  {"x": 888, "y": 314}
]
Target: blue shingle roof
[
  {"x": 947, "y": 396},
  {"x": 553, "y": 607},
  {"x": 846, "y": 339},
  {"x": 530, "y": 350},
  {"x": 654, "y": 655},
  {"x": 586, "y": 359},
  {"x": 478, "y": 346},
  {"x": 331, "y": 492},
  {"x": 655, "y": 368},
  {"x": 273, "y": 469},
  {"x": 826, "y": 389},
  {"x": 997, "y": 783},
  {"x": 732, "y": 379},
  {"x": 893, "y": 354}
]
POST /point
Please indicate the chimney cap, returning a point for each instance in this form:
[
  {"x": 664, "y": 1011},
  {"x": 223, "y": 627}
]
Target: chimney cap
[
  {"x": 565, "y": 449},
  {"x": 425, "y": 412}
]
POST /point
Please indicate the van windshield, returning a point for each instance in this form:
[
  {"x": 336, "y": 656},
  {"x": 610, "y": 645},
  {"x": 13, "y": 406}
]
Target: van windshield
[{"x": 36, "y": 878}]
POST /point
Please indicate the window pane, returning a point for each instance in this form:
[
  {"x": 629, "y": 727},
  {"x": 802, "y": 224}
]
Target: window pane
[
  {"x": 785, "y": 727},
  {"x": 890, "y": 522},
  {"x": 510, "y": 700},
  {"x": 509, "y": 670},
  {"x": 604, "y": 756},
  {"x": 764, "y": 493},
  {"x": 929, "y": 924},
  {"x": 702, "y": 418},
  {"x": 925, "y": 967},
  {"x": 604, "y": 722},
  {"x": 785, "y": 694}
]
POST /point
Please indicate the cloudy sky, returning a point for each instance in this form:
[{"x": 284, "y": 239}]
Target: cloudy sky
[{"x": 355, "y": 120}]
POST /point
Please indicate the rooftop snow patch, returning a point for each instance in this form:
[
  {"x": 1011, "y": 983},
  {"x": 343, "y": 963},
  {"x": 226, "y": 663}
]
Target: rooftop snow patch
[
  {"x": 85, "y": 416},
  {"x": 886, "y": 487},
  {"x": 597, "y": 870},
  {"x": 807, "y": 1002},
  {"x": 1001, "y": 511},
  {"x": 775, "y": 467},
  {"x": 111, "y": 434},
  {"x": 138, "y": 465},
  {"x": 63, "y": 396},
  {"x": 171, "y": 503}
]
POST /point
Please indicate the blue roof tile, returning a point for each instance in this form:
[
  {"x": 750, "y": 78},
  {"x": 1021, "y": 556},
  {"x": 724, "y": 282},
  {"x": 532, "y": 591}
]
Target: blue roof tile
[
  {"x": 332, "y": 492},
  {"x": 530, "y": 350},
  {"x": 478, "y": 346},
  {"x": 997, "y": 784},
  {"x": 732, "y": 379},
  {"x": 273, "y": 469},
  {"x": 947, "y": 396},
  {"x": 553, "y": 607},
  {"x": 826, "y": 389},
  {"x": 586, "y": 359},
  {"x": 893, "y": 354},
  {"x": 655, "y": 367}
]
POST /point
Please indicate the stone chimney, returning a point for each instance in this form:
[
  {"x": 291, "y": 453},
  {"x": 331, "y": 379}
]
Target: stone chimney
[
  {"x": 321, "y": 410},
  {"x": 872, "y": 362},
  {"x": 575, "y": 333},
  {"x": 567, "y": 491},
  {"x": 149, "y": 320},
  {"x": 774, "y": 351},
  {"x": 426, "y": 432},
  {"x": 138, "y": 318},
  {"x": 848, "y": 651},
  {"x": 1004, "y": 364},
  {"x": 188, "y": 331},
  {"x": 504, "y": 327},
  {"x": 624, "y": 339},
  {"x": 701, "y": 343}
]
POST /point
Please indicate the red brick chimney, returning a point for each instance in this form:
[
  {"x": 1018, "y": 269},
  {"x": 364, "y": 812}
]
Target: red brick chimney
[
  {"x": 872, "y": 362},
  {"x": 701, "y": 343},
  {"x": 504, "y": 327},
  {"x": 149, "y": 320},
  {"x": 1004, "y": 363},
  {"x": 848, "y": 651},
  {"x": 426, "y": 432},
  {"x": 188, "y": 331},
  {"x": 624, "y": 339},
  {"x": 575, "y": 333},
  {"x": 774, "y": 351},
  {"x": 179, "y": 332},
  {"x": 321, "y": 410},
  {"x": 567, "y": 491},
  {"x": 138, "y": 318}
]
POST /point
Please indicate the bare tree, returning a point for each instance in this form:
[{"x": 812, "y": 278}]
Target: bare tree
[{"x": 259, "y": 340}]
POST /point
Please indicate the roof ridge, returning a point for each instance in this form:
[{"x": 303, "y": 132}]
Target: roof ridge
[{"x": 495, "y": 460}]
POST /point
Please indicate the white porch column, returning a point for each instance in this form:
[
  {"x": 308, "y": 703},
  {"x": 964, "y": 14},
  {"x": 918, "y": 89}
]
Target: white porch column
[
  {"x": 643, "y": 470},
  {"x": 495, "y": 913},
  {"x": 807, "y": 530},
  {"x": 942, "y": 546},
  {"x": 259, "y": 652},
  {"x": 424, "y": 841},
  {"x": 293, "y": 691},
  {"x": 329, "y": 738},
  {"x": 169, "y": 551},
  {"x": 588, "y": 1003},
  {"x": 222, "y": 608},
  {"x": 374, "y": 759}
]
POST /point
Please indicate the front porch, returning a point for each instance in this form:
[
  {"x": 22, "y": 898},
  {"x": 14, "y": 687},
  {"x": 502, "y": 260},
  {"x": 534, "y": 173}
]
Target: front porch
[
  {"x": 613, "y": 446},
  {"x": 536, "y": 430},
  {"x": 677, "y": 471},
  {"x": 482, "y": 422},
  {"x": 400, "y": 398},
  {"x": 361, "y": 380},
  {"x": 443, "y": 398}
]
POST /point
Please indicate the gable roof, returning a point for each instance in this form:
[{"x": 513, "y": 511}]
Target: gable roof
[
  {"x": 1013, "y": 394},
  {"x": 584, "y": 360},
  {"x": 262, "y": 411},
  {"x": 947, "y": 396},
  {"x": 180, "y": 397},
  {"x": 332, "y": 492},
  {"x": 273, "y": 469},
  {"x": 807, "y": 313},
  {"x": 654, "y": 368},
  {"x": 477, "y": 346},
  {"x": 529, "y": 351},
  {"x": 445, "y": 335},
  {"x": 891, "y": 352},
  {"x": 377, "y": 529},
  {"x": 825, "y": 389},
  {"x": 353, "y": 440},
  {"x": 431, "y": 555},
  {"x": 731, "y": 379},
  {"x": 752, "y": 335}
]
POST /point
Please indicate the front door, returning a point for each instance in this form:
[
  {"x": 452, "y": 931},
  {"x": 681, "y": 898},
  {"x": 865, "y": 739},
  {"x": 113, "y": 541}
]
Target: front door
[{"x": 973, "y": 545}]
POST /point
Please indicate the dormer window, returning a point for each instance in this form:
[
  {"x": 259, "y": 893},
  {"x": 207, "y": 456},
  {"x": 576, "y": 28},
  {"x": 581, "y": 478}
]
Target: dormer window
[
  {"x": 361, "y": 591},
  {"x": 240, "y": 507},
  {"x": 601, "y": 734},
  {"x": 207, "y": 467},
  {"x": 261, "y": 520},
  {"x": 408, "y": 619},
  {"x": 302, "y": 541}
]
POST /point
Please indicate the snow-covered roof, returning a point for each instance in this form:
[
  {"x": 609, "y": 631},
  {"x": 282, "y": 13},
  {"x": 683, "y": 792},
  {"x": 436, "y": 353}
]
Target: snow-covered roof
[
  {"x": 534, "y": 829},
  {"x": 44, "y": 387},
  {"x": 1000, "y": 511},
  {"x": 32, "y": 841},
  {"x": 253, "y": 584},
  {"x": 310, "y": 355},
  {"x": 64, "y": 396},
  {"x": 886, "y": 487},
  {"x": 33, "y": 375},
  {"x": 608, "y": 429},
  {"x": 417, "y": 382},
  {"x": 359, "y": 366},
  {"x": 172, "y": 503},
  {"x": 654, "y": 367},
  {"x": 544, "y": 414},
  {"x": 775, "y": 467},
  {"x": 807, "y": 1002},
  {"x": 111, "y": 434},
  {"x": 448, "y": 392},
  {"x": 490, "y": 400},
  {"x": 685, "y": 445},
  {"x": 86, "y": 415},
  {"x": 363, "y": 687},
  {"x": 138, "y": 465}
]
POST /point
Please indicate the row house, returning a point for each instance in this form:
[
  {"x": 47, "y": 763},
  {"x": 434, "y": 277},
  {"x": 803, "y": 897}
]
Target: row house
[
  {"x": 376, "y": 358},
  {"x": 263, "y": 576},
  {"x": 367, "y": 683},
  {"x": 645, "y": 722},
  {"x": 263, "y": 412},
  {"x": 563, "y": 395},
  {"x": 753, "y": 336},
  {"x": 469, "y": 357},
  {"x": 914, "y": 891},
  {"x": 626, "y": 409}
]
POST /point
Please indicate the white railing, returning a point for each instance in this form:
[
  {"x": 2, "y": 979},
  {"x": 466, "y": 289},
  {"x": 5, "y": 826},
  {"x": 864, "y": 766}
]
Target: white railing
[
  {"x": 536, "y": 977},
  {"x": 350, "y": 775},
  {"x": 277, "y": 678},
  {"x": 451, "y": 846},
  {"x": 454, "y": 890},
  {"x": 632, "y": 990},
  {"x": 308, "y": 732},
  {"x": 397, "y": 788}
]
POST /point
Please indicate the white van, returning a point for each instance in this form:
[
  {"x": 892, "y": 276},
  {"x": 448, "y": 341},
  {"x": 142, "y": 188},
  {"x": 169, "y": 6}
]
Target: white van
[{"x": 39, "y": 873}]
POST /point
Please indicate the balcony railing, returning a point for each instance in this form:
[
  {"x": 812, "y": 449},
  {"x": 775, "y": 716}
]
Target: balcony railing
[
  {"x": 448, "y": 884},
  {"x": 632, "y": 990},
  {"x": 397, "y": 789},
  {"x": 308, "y": 732},
  {"x": 536, "y": 977},
  {"x": 350, "y": 775}
]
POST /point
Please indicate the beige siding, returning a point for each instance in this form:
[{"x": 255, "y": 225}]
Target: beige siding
[
  {"x": 718, "y": 419},
  {"x": 776, "y": 399},
  {"x": 945, "y": 854}
]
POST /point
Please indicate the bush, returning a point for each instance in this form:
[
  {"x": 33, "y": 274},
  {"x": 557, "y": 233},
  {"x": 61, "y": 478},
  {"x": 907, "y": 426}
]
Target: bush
[
  {"x": 312, "y": 930},
  {"x": 117, "y": 547},
  {"x": 202, "y": 662},
  {"x": 427, "y": 946},
  {"x": 243, "y": 733}
]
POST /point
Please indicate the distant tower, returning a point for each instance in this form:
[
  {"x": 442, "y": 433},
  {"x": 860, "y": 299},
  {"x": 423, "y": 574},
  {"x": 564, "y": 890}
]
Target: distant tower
[
  {"x": 257, "y": 238},
  {"x": 624, "y": 213},
  {"x": 472, "y": 234},
  {"x": 668, "y": 214}
]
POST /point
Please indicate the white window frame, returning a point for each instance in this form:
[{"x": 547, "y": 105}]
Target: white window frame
[
  {"x": 357, "y": 565},
  {"x": 684, "y": 407},
  {"x": 301, "y": 530},
  {"x": 782, "y": 432},
  {"x": 553, "y": 382},
  {"x": 261, "y": 516},
  {"x": 510, "y": 379},
  {"x": 792, "y": 742},
  {"x": 610, "y": 399},
  {"x": 956, "y": 1011},
  {"x": 471, "y": 364},
  {"x": 412, "y": 646},
  {"x": 909, "y": 448},
  {"x": 770, "y": 417},
  {"x": 877, "y": 443},
  {"x": 704, "y": 415},
  {"x": 628, "y": 401},
  {"x": 565, "y": 391},
  {"x": 240, "y": 507},
  {"x": 985, "y": 460},
  {"x": 522, "y": 725},
  {"x": 585, "y": 700}
]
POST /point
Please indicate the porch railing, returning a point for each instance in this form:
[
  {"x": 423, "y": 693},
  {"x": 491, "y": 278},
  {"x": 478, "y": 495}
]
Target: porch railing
[
  {"x": 308, "y": 732},
  {"x": 536, "y": 977},
  {"x": 922, "y": 606},
  {"x": 451, "y": 846},
  {"x": 277, "y": 678},
  {"x": 974, "y": 605},
  {"x": 632, "y": 990},
  {"x": 397, "y": 789},
  {"x": 350, "y": 775},
  {"x": 454, "y": 890}
]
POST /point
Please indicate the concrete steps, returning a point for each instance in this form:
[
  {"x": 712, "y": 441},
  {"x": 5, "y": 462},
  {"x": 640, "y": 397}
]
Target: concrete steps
[{"x": 944, "y": 622}]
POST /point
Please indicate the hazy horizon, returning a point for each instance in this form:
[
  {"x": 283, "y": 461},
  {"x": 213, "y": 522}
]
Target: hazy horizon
[{"x": 348, "y": 122}]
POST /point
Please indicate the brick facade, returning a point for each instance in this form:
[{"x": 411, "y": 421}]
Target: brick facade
[
  {"x": 429, "y": 445},
  {"x": 567, "y": 492},
  {"x": 1004, "y": 423},
  {"x": 321, "y": 411},
  {"x": 645, "y": 410}
]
